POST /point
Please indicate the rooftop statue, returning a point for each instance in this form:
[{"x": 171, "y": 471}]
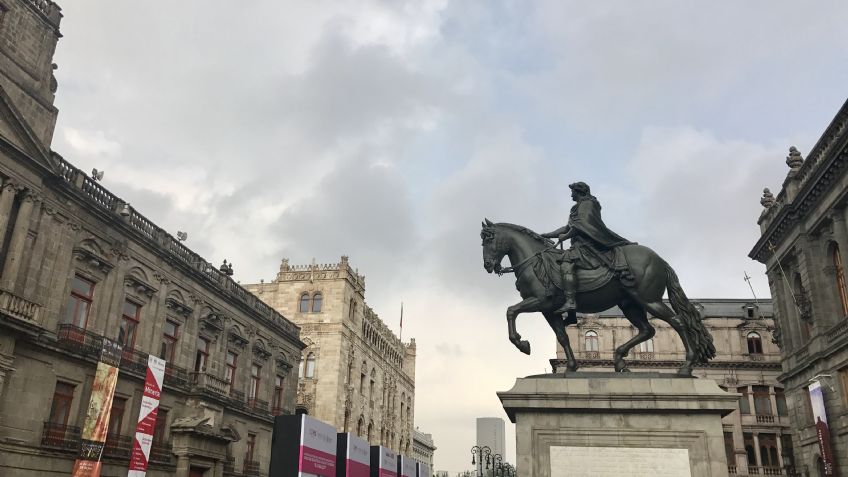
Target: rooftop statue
[{"x": 600, "y": 270}]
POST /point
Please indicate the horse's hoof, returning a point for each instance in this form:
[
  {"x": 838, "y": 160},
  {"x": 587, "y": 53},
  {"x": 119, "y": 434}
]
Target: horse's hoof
[
  {"x": 685, "y": 372},
  {"x": 571, "y": 368},
  {"x": 524, "y": 346},
  {"x": 624, "y": 370}
]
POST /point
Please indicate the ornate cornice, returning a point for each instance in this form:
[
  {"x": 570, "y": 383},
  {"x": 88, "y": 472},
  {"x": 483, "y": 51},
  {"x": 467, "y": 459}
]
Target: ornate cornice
[
  {"x": 178, "y": 307},
  {"x": 821, "y": 171},
  {"x": 93, "y": 260},
  {"x": 140, "y": 286}
]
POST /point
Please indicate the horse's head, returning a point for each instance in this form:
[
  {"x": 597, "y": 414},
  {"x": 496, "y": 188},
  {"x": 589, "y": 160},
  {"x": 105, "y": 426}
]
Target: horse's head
[{"x": 494, "y": 247}]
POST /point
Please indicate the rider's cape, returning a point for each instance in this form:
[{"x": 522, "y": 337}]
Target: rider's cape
[{"x": 585, "y": 217}]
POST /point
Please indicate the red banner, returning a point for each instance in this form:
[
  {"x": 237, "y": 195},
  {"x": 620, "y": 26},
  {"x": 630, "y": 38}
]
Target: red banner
[
  {"x": 147, "y": 417},
  {"x": 97, "y": 419}
]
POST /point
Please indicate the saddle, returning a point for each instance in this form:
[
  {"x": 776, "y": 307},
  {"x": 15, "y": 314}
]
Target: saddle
[{"x": 548, "y": 269}]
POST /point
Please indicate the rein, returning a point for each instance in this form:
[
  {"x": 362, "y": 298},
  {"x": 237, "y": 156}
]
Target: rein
[{"x": 516, "y": 268}]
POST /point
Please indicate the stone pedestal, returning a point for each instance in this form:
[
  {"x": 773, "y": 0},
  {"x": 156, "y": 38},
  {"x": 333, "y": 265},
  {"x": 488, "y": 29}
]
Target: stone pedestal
[{"x": 618, "y": 424}]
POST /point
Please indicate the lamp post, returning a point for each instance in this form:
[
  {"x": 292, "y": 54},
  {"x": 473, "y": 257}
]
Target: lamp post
[{"x": 478, "y": 454}]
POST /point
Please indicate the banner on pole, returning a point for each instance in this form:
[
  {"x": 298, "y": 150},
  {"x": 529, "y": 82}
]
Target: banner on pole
[
  {"x": 147, "y": 417},
  {"x": 822, "y": 430},
  {"x": 97, "y": 418}
]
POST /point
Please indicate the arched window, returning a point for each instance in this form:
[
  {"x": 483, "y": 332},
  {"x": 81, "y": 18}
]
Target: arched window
[
  {"x": 647, "y": 346},
  {"x": 362, "y": 378},
  {"x": 591, "y": 341},
  {"x": 370, "y": 430},
  {"x": 304, "y": 303},
  {"x": 360, "y": 426},
  {"x": 310, "y": 366},
  {"x": 755, "y": 344},
  {"x": 316, "y": 302},
  {"x": 351, "y": 312},
  {"x": 840, "y": 278},
  {"x": 371, "y": 386}
]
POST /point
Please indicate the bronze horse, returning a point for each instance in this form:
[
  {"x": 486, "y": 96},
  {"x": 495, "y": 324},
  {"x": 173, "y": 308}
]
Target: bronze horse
[{"x": 652, "y": 275}]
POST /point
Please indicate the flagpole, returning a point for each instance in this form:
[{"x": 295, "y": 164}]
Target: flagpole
[{"x": 401, "y": 322}]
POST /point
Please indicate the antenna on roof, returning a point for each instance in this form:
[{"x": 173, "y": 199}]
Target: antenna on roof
[{"x": 748, "y": 279}]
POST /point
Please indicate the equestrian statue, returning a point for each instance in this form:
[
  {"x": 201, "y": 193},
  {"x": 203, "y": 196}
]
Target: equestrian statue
[{"x": 600, "y": 270}]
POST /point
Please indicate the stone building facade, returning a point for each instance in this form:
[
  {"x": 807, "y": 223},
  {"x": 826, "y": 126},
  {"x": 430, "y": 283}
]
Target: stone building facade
[
  {"x": 423, "y": 447},
  {"x": 804, "y": 245},
  {"x": 758, "y": 434},
  {"x": 355, "y": 373},
  {"x": 80, "y": 265}
]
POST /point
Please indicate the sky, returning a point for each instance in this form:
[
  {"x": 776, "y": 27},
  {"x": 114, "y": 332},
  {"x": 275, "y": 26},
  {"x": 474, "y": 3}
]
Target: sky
[{"x": 388, "y": 130}]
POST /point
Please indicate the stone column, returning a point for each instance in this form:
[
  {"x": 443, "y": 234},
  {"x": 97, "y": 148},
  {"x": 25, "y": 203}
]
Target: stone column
[
  {"x": 182, "y": 466},
  {"x": 757, "y": 450},
  {"x": 751, "y": 401},
  {"x": 14, "y": 256},
  {"x": 840, "y": 233},
  {"x": 7, "y": 196},
  {"x": 773, "y": 400},
  {"x": 779, "y": 438}
]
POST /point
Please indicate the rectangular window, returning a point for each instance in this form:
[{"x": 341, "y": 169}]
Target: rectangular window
[
  {"x": 230, "y": 372},
  {"x": 780, "y": 399},
  {"x": 254, "y": 381},
  {"x": 116, "y": 415},
  {"x": 161, "y": 427},
  {"x": 170, "y": 334},
  {"x": 79, "y": 303},
  {"x": 762, "y": 402},
  {"x": 278, "y": 396},
  {"x": 63, "y": 396},
  {"x": 251, "y": 447},
  {"x": 744, "y": 404},
  {"x": 201, "y": 355},
  {"x": 129, "y": 325}
]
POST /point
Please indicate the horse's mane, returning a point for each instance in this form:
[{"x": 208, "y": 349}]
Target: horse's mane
[{"x": 528, "y": 232}]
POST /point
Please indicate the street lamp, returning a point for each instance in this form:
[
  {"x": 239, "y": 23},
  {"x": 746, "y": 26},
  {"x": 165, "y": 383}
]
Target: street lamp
[{"x": 478, "y": 454}]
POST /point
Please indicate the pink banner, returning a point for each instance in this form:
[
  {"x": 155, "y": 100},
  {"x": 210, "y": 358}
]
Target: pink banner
[
  {"x": 357, "y": 469},
  {"x": 313, "y": 461},
  {"x": 147, "y": 417}
]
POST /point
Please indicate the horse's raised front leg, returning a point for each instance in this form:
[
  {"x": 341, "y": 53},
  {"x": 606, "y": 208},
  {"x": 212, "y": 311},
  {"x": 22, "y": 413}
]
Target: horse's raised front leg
[{"x": 527, "y": 305}]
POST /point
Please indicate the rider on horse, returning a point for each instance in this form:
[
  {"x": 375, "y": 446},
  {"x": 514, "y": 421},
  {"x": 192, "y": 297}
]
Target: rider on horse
[{"x": 591, "y": 241}]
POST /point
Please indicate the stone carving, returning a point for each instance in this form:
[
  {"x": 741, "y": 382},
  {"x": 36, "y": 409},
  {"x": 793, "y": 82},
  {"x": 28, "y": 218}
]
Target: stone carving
[
  {"x": 794, "y": 159},
  {"x": 768, "y": 198},
  {"x": 537, "y": 264},
  {"x": 140, "y": 286},
  {"x": 178, "y": 307}
]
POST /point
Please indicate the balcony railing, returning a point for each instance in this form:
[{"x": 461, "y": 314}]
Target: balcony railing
[
  {"x": 20, "y": 308},
  {"x": 175, "y": 375},
  {"x": 80, "y": 340},
  {"x": 258, "y": 404},
  {"x": 251, "y": 467},
  {"x": 61, "y": 437},
  {"x": 207, "y": 382},
  {"x": 160, "y": 452},
  {"x": 118, "y": 446},
  {"x": 731, "y": 470},
  {"x": 230, "y": 465},
  {"x": 237, "y": 396},
  {"x": 765, "y": 419},
  {"x": 646, "y": 355},
  {"x": 132, "y": 360},
  {"x": 592, "y": 354},
  {"x": 764, "y": 470}
]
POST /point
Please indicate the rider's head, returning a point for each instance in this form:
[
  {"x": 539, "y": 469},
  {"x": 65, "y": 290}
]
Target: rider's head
[{"x": 579, "y": 189}]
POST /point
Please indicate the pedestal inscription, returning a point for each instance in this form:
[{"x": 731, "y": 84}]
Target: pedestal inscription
[{"x": 574, "y": 461}]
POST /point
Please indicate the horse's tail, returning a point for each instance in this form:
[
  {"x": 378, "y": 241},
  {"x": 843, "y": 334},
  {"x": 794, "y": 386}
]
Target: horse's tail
[{"x": 700, "y": 339}]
